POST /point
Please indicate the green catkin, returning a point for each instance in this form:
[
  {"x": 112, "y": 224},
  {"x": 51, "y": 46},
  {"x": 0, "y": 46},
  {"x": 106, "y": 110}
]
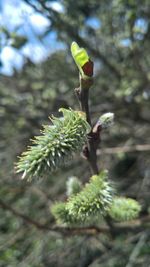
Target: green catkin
[
  {"x": 124, "y": 209},
  {"x": 91, "y": 202},
  {"x": 95, "y": 198},
  {"x": 61, "y": 214},
  {"x": 57, "y": 143}
]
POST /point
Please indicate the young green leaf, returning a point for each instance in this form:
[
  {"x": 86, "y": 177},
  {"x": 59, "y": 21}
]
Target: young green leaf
[{"x": 82, "y": 60}]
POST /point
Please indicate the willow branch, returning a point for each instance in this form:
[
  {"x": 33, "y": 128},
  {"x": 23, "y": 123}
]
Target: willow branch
[{"x": 132, "y": 226}]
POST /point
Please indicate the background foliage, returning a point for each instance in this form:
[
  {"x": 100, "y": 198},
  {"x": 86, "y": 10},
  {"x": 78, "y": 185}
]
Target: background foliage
[{"x": 118, "y": 42}]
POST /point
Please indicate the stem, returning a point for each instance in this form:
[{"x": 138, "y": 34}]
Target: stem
[
  {"x": 84, "y": 96},
  {"x": 93, "y": 137},
  {"x": 92, "y": 158}
]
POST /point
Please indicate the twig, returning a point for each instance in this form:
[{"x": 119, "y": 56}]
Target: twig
[
  {"x": 89, "y": 151},
  {"x": 93, "y": 138},
  {"x": 27, "y": 219}
]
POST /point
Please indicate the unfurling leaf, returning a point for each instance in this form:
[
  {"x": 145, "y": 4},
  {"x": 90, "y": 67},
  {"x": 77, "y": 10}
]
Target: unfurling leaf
[{"x": 82, "y": 60}]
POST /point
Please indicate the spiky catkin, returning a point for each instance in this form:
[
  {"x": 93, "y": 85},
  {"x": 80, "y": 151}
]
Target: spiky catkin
[
  {"x": 57, "y": 142},
  {"x": 61, "y": 214},
  {"x": 95, "y": 198},
  {"x": 124, "y": 209}
]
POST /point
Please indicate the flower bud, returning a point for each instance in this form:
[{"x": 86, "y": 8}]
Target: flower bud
[{"x": 106, "y": 120}]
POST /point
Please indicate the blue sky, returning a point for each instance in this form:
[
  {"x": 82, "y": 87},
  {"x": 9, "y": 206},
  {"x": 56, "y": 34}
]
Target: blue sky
[
  {"x": 15, "y": 15},
  {"x": 19, "y": 17}
]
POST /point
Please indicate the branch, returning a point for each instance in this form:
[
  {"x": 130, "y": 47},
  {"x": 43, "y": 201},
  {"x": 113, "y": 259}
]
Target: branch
[
  {"x": 132, "y": 226},
  {"x": 25, "y": 218},
  {"x": 124, "y": 149}
]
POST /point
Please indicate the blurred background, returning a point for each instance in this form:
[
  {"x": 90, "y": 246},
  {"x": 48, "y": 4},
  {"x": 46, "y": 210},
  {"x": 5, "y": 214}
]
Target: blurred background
[{"x": 37, "y": 77}]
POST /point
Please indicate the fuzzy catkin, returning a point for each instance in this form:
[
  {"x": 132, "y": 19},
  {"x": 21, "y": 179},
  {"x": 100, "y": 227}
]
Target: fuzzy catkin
[{"x": 124, "y": 209}]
